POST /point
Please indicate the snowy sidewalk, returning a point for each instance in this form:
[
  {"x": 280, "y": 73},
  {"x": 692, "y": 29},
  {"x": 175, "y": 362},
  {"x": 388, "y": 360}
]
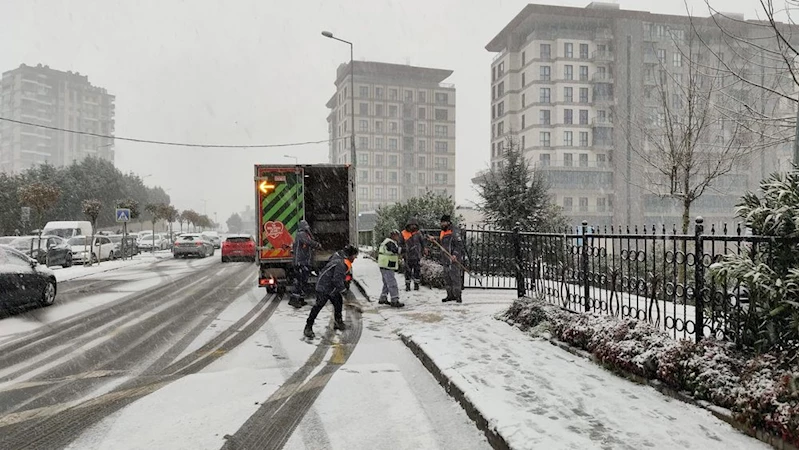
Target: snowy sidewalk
[{"x": 536, "y": 395}]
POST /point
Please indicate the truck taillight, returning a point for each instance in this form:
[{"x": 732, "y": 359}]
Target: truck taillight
[{"x": 198, "y": 244}]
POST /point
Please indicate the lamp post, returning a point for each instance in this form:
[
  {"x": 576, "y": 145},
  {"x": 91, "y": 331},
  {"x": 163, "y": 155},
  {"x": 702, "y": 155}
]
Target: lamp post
[
  {"x": 329, "y": 35},
  {"x": 292, "y": 157}
]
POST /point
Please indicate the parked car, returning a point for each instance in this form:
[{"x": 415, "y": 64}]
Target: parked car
[
  {"x": 23, "y": 281},
  {"x": 157, "y": 241},
  {"x": 103, "y": 249},
  {"x": 68, "y": 228},
  {"x": 5, "y": 240},
  {"x": 47, "y": 250},
  {"x": 131, "y": 247},
  {"x": 217, "y": 241},
  {"x": 192, "y": 244},
  {"x": 238, "y": 246}
]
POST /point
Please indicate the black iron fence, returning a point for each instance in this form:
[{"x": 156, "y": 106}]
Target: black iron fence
[{"x": 645, "y": 273}]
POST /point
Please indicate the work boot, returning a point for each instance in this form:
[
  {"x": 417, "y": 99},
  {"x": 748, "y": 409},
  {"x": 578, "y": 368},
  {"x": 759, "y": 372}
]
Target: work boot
[
  {"x": 408, "y": 286},
  {"x": 308, "y": 332},
  {"x": 297, "y": 302},
  {"x": 382, "y": 301},
  {"x": 415, "y": 285},
  {"x": 459, "y": 299},
  {"x": 397, "y": 304},
  {"x": 339, "y": 325},
  {"x": 447, "y": 299}
]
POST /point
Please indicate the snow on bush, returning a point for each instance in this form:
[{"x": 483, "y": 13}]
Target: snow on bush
[
  {"x": 433, "y": 274},
  {"x": 762, "y": 391}
]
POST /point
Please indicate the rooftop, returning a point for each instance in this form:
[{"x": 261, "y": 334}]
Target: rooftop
[{"x": 393, "y": 72}]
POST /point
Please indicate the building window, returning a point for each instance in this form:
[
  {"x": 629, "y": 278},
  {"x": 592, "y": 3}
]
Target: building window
[
  {"x": 600, "y": 160},
  {"x": 407, "y": 145},
  {"x": 568, "y": 116},
  {"x": 392, "y": 94},
  {"x": 378, "y": 193},
  {"x": 583, "y": 159},
  {"x": 363, "y": 142},
  {"x": 544, "y": 95},
  {"x": 422, "y": 163},
  {"x": 583, "y": 117},
  {"x": 421, "y": 178},
  {"x": 421, "y": 129},
  {"x": 422, "y": 113},
  {"x": 524, "y": 58},
  {"x": 583, "y": 73},
  {"x": 545, "y": 73},
  {"x": 600, "y": 204},
  {"x": 408, "y": 96},
  {"x": 524, "y": 102},
  {"x": 676, "y": 59},
  {"x": 363, "y": 125},
  {"x": 524, "y": 145},
  {"x": 440, "y": 178},
  {"x": 568, "y": 141},
  {"x": 543, "y": 139},
  {"x": 544, "y": 159},
  {"x": 501, "y": 89},
  {"x": 544, "y": 117},
  {"x": 422, "y": 145},
  {"x": 442, "y": 98},
  {"x": 501, "y": 109},
  {"x": 441, "y": 114},
  {"x": 523, "y": 80},
  {"x": 442, "y": 147},
  {"x": 568, "y": 72},
  {"x": 545, "y": 51},
  {"x": 583, "y": 204},
  {"x": 392, "y": 161},
  {"x": 363, "y": 109},
  {"x": 378, "y": 143},
  {"x": 583, "y": 51},
  {"x": 422, "y": 97},
  {"x": 392, "y": 192},
  {"x": 379, "y": 162},
  {"x": 660, "y": 31},
  {"x": 441, "y": 131},
  {"x": 378, "y": 176},
  {"x": 378, "y": 126},
  {"x": 568, "y": 94},
  {"x": 523, "y": 122},
  {"x": 500, "y": 128},
  {"x": 567, "y": 204},
  {"x": 568, "y": 50},
  {"x": 393, "y": 127},
  {"x": 493, "y": 111},
  {"x": 583, "y": 95},
  {"x": 364, "y": 91},
  {"x": 379, "y": 112},
  {"x": 392, "y": 110},
  {"x": 662, "y": 55},
  {"x": 379, "y": 92},
  {"x": 363, "y": 159},
  {"x": 363, "y": 176},
  {"x": 441, "y": 163},
  {"x": 493, "y": 92},
  {"x": 583, "y": 139},
  {"x": 407, "y": 127},
  {"x": 392, "y": 144}
]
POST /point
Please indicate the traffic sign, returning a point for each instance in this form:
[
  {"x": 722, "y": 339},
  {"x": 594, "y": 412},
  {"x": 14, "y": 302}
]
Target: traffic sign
[{"x": 123, "y": 214}]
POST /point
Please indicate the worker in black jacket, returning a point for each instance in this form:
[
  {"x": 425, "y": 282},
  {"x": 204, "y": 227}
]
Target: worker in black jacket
[
  {"x": 332, "y": 285},
  {"x": 303, "y": 247},
  {"x": 451, "y": 258}
]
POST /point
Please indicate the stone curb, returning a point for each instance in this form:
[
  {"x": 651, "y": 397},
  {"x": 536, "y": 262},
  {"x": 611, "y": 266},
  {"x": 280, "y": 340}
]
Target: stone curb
[
  {"x": 494, "y": 438},
  {"x": 719, "y": 412}
]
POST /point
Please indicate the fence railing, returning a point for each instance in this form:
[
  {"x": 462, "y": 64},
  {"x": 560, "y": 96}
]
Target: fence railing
[{"x": 650, "y": 274}]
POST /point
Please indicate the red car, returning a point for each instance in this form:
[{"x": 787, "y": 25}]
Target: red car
[{"x": 238, "y": 246}]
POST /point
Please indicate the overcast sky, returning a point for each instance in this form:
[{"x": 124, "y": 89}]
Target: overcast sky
[{"x": 259, "y": 72}]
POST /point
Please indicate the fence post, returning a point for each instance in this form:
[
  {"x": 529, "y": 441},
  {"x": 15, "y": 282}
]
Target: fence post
[
  {"x": 699, "y": 279},
  {"x": 517, "y": 257},
  {"x": 584, "y": 268}
]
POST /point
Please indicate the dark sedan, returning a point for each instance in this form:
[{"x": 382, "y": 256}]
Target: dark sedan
[
  {"x": 47, "y": 250},
  {"x": 23, "y": 281}
]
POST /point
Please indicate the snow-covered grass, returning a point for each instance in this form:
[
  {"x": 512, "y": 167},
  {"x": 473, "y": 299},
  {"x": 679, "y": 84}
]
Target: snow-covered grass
[
  {"x": 760, "y": 390},
  {"x": 537, "y": 395}
]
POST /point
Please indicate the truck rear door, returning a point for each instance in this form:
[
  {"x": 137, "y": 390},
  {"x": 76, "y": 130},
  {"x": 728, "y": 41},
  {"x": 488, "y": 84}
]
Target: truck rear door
[{"x": 281, "y": 207}]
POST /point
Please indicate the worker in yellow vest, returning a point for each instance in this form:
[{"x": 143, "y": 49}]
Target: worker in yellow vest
[{"x": 388, "y": 260}]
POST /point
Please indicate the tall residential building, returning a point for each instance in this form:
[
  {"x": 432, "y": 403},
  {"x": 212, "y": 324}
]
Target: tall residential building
[
  {"x": 405, "y": 130},
  {"x": 50, "y": 97},
  {"x": 573, "y": 86}
]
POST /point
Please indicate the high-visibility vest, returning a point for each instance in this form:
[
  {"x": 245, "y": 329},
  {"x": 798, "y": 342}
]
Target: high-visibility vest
[{"x": 386, "y": 259}]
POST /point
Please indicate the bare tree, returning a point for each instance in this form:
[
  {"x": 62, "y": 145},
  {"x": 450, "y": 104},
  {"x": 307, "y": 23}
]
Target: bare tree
[
  {"x": 91, "y": 208},
  {"x": 687, "y": 130}
]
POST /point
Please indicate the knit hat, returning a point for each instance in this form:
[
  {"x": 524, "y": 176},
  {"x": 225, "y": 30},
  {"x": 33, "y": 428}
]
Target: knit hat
[{"x": 446, "y": 218}]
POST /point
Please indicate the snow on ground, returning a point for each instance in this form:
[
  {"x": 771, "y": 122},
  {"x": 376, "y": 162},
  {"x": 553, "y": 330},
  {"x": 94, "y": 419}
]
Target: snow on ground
[
  {"x": 535, "y": 394},
  {"x": 80, "y": 271}
]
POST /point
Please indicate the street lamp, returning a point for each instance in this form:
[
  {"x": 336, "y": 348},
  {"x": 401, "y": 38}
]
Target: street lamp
[
  {"x": 328, "y": 34},
  {"x": 292, "y": 157}
]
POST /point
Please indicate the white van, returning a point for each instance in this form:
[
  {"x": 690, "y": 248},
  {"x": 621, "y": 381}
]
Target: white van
[{"x": 68, "y": 229}]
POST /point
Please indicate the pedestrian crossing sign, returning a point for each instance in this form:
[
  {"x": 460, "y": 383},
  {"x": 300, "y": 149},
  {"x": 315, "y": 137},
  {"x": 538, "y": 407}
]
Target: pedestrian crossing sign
[{"x": 123, "y": 214}]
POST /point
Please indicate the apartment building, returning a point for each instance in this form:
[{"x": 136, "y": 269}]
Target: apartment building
[
  {"x": 563, "y": 80},
  {"x": 404, "y": 130},
  {"x": 45, "y": 96}
]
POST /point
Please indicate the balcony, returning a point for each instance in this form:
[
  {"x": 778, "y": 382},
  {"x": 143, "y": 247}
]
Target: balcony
[
  {"x": 600, "y": 77},
  {"x": 605, "y": 56}
]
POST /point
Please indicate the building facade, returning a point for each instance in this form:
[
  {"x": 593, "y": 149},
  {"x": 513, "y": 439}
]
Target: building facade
[
  {"x": 44, "y": 96},
  {"x": 568, "y": 85},
  {"x": 404, "y": 131}
]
